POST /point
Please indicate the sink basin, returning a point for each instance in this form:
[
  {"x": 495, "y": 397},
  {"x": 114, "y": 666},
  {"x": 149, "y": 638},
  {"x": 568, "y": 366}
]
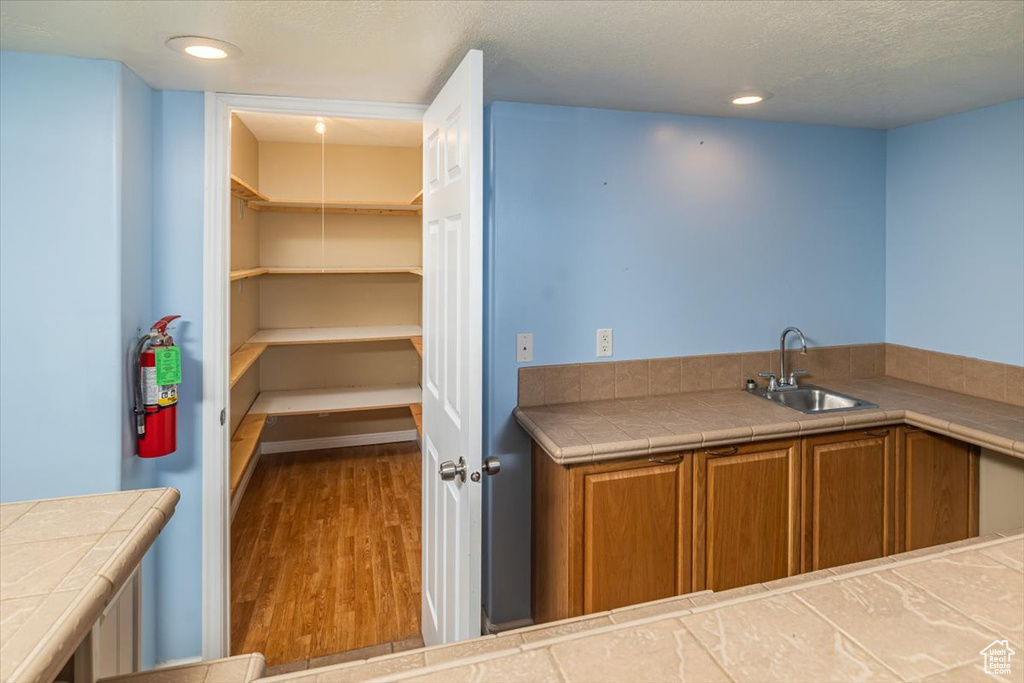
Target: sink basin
[{"x": 812, "y": 399}]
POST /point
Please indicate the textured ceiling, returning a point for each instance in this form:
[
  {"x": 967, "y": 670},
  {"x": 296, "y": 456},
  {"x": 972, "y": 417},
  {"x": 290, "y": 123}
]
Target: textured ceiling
[
  {"x": 372, "y": 132},
  {"x": 881, "y": 64}
]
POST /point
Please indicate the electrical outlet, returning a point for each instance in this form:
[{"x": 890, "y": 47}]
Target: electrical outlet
[
  {"x": 524, "y": 347},
  {"x": 604, "y": 343}
]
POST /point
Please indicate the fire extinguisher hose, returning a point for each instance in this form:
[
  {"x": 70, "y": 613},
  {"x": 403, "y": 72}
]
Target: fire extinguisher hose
[{"x": 140, "y": 406}]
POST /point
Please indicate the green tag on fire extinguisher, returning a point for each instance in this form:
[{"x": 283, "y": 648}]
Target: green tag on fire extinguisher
[{"x": 168, "y": 365}]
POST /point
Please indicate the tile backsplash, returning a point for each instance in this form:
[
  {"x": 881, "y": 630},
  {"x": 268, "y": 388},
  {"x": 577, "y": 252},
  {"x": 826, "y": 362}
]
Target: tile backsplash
[
  {"x": 982, "y": 378},
  {"x": 540, "y": 385}
]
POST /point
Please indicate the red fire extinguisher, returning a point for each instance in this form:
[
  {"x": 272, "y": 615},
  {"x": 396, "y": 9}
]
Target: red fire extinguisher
[{"x": 158, "y": 363}]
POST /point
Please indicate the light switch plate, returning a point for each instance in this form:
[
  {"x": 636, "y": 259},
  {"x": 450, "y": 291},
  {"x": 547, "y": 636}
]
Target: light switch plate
[
  {"x": 604, "y": 343},
  {"x": 524, "y": 347}
]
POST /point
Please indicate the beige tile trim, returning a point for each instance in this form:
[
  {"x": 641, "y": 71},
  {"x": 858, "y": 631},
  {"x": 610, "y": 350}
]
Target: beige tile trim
[
  {"x": 39, "y": 650},
  {"x": 254, "y": 663},
  {"x": 577, "y": 382},
  {"x": 612, "y": 451},
  {"x": 972, "y": 376},
  {"x": 52, "y": 648},
  {"x": 555, "y": 384},
  {"x": 792, "y": 586}
]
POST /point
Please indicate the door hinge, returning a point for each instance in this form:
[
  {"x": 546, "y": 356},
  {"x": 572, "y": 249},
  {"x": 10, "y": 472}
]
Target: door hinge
[{"x": 223, "y": 416}]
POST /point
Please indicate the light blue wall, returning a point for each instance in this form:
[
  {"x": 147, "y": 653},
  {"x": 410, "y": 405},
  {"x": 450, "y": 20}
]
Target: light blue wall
[
  {"x": 135, "y": 190},
  {"x": 178, "y": 288},
  {"x": 670, "y": 230},
  {"x": 100, "y": 232},
  {"x": 955, "y": 233},
  {"x": 60, "y": 342},
  {"x": 135, "y": 132}
]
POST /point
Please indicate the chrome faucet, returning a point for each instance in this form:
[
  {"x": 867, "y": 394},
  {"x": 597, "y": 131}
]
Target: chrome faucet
[{"x": 783, "y": 382}]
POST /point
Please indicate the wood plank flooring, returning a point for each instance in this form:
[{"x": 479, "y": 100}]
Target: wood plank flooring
[{"x": 325, "y": 552}]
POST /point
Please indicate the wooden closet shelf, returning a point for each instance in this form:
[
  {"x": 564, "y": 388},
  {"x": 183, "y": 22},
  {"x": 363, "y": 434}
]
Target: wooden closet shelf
[
  {"x": 410, "y": 270},
  {"x": 243, "y": 190},
  {"x": 417, "y": 416},
  {"x": 418, "y": 199},
  {"x": 243, "y": 446},
  {"x": 243, "y": 358},
  {"x": 247, "y": 273},
  {"x": 266, "y": 270},
  {"x": 335, "y": 335},
  {"x": 336, "y": 400},
  {"x": 342, "y": 207},
  {"x": 417, "y": 343}
]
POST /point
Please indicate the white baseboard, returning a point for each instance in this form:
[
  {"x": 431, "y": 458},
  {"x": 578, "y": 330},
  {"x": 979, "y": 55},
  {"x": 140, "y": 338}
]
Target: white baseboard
[
  {"x": 242, "y": 485},
  {"x": 268, "y": 447}
]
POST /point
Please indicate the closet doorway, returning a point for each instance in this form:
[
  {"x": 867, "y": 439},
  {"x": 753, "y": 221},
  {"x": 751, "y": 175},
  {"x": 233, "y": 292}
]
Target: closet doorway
[
  {"x": 326, "y": 352},
  {"x": 320, "y": 339}
]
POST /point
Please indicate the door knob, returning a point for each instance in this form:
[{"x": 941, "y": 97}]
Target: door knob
[{"x": 449, "y": 470}]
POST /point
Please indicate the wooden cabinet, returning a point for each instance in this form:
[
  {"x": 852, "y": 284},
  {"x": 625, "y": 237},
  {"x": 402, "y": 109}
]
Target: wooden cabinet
[
  {"x": 746, "y": 514},
  {"x": 631, "y": 513},
  {"x": 847, "y": 497},
  {"x": 937, "y": 485},
  {"x": 610, "y": 534},
  {"x": 622, "y": 532}
]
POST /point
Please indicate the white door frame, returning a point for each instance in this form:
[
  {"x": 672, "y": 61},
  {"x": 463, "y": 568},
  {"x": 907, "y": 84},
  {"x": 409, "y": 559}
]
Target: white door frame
[{"x": 216, "y": 451}]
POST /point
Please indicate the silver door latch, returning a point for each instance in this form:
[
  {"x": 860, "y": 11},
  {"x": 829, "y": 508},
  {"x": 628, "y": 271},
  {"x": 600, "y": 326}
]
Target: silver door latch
[{"x": 449, "y": 470}]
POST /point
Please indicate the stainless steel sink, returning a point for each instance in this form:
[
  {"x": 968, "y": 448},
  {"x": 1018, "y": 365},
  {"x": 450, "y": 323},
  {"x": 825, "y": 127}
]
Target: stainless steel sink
[{"x": 812, "y": 399}]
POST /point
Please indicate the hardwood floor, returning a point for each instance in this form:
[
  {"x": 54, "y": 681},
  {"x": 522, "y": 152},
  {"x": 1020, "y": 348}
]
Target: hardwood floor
[{"x": 325, "y": 552}]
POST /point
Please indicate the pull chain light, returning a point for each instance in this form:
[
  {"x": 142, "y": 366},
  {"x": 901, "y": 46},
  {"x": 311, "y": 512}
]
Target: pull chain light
[{"x": 321, "y": 129}]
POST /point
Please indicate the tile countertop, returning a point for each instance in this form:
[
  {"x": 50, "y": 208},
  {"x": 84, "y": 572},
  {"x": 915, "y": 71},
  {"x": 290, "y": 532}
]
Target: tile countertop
[
  {"x": 61, "y": 562},
  {"x": 921, "y": 615},
  {"x": 619, "y": 428}
]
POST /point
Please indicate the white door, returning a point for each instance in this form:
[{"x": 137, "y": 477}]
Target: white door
[{"x": 452, "y": 354}]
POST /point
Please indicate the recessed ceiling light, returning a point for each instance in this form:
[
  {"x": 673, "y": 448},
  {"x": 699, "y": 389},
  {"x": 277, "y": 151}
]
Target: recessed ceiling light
[
  {"x": 203, "y": 48},
  {"x": 749, "y": 98}
]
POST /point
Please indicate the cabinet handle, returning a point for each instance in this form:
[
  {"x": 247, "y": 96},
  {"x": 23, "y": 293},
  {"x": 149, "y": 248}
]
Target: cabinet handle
[
  {"x": 670, "y": 460},
  {"x": 731, "y": 450},
  {"x": 880, "y": 432}
]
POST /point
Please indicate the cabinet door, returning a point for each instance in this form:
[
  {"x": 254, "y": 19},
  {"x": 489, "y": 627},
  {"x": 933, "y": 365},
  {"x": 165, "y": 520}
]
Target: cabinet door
[
  {"x": 745, "y": 514},
  {"x": 847, "y": 497},
  {"x": 635, "y": 533},
  {"x": 937, "y": 498}
]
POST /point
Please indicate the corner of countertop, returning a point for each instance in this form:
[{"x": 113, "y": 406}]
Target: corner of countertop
[{"x": 538, "y": 435}]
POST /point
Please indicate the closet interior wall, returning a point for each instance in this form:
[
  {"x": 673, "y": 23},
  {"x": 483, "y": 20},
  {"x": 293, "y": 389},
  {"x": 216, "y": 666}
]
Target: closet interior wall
[
  {"x": 245, "y": 253},
  {"x": 304, "y": 237}
]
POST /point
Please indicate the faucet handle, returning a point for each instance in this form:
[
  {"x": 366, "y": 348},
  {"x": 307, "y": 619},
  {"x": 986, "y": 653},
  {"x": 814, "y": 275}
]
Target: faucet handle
[
  {"x": 773, "y": 382},
  {"x": 793, "y": 375}
]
